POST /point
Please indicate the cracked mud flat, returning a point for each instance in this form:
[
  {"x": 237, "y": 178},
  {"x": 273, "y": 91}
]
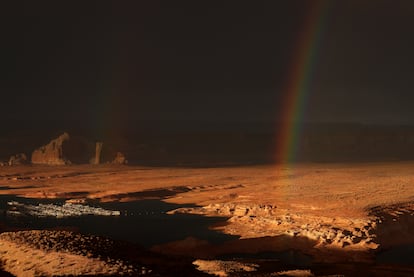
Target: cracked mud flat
[{"x": 333, "y": 212}]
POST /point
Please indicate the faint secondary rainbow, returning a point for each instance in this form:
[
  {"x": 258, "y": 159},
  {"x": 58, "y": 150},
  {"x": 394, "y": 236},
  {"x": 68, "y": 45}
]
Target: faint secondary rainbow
[{"x": 298, "y": 83}]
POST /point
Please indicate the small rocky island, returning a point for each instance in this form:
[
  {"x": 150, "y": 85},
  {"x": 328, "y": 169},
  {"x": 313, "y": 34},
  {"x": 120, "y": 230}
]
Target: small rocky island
[{"x": 58, "y": 211}]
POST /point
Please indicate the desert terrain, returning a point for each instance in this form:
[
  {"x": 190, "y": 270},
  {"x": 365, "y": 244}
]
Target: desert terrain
[{"x": 335, "y": 213}]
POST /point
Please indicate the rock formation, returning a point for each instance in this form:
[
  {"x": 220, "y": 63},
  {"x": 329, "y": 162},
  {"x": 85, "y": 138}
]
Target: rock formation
[
  {"x": 52, "y": 153},
  {"x": 58, "y": 211},
  {"x": 18, "y": 159},
  {"x": 98, "y": 150},
  {"x": 119, "y": 159}
]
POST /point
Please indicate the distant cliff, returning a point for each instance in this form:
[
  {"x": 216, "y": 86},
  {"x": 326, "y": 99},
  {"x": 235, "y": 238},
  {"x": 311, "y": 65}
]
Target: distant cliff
[{"x": 317, "y": 143}]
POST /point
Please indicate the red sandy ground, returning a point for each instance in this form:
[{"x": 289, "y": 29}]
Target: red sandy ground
[{"x": 329, "y": 204}]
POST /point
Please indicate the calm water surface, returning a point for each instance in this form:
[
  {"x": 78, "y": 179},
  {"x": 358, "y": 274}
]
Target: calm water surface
[{"x": 144, "y": 222}]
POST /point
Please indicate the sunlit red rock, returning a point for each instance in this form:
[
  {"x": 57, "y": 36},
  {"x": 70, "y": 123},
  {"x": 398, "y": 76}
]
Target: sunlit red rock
[
  {"x": 51, "y": 153},
  {"x": 18, "y": 159},
  {"x": 120, "y": 158}
]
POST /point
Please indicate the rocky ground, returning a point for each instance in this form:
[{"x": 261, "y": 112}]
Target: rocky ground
[
  {"x": 51, "y": 253},
  {"x": 65, "y": 253},
  {"x": 337, "y": 213}
]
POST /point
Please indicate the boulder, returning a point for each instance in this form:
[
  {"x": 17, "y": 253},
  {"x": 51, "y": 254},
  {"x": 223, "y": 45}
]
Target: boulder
[
  {"x": 52, "y": 153},
  {"x": 119, "y": 159},
  {"x": 18, "y": 159}
]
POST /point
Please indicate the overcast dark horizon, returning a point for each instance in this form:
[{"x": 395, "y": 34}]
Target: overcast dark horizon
[{"x": 109, "y": 64}]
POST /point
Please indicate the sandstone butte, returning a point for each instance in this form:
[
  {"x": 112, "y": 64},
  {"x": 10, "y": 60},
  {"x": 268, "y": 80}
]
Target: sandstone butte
[
  {"x": 51, "y": 153},
  {"x": 55, "y": 154}
]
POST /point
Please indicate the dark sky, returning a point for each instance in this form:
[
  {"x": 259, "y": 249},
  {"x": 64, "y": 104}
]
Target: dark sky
[{"x": 110, "y": 63}]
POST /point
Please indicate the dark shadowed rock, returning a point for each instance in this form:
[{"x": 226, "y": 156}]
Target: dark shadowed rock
[
  {"x": 52, "y": 153},
  {"x": 78, "y": 150},
  {"x": 18, "y": 159}
]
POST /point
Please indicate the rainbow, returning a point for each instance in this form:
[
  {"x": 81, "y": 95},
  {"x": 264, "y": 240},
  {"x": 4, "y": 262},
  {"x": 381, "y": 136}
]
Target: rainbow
[{"x": 299, "y": 79}]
